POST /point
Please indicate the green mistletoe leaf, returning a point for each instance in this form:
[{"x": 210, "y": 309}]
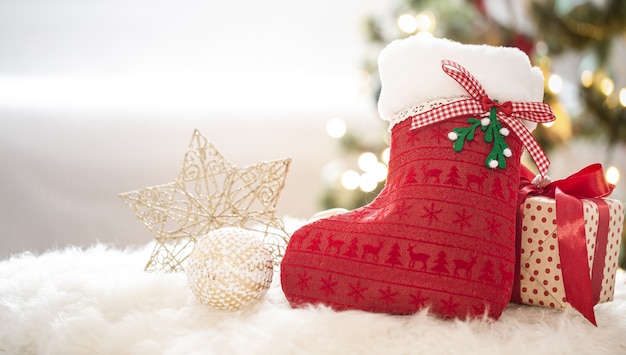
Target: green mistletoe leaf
[
  {"x": 500, "y": 150},
  {"x": 465, "y": 134},
  {"x": 494, "y": 134},
  {"x": 497, "y": 154}
]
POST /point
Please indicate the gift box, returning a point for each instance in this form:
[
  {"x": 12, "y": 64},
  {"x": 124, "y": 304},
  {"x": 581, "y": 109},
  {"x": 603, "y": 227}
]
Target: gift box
[{"x": 568, "y": 246}]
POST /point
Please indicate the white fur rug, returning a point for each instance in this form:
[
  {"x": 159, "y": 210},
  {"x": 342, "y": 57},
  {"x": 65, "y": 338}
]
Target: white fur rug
[{"x": 99, "y": 301}]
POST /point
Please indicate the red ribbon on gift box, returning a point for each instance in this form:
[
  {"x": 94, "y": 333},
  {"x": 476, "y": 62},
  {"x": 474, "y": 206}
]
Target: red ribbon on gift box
[{"x": 582, "y": 288}]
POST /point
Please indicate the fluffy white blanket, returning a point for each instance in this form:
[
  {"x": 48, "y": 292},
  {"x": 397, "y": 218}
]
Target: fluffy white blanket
[{"x": 99, "y": 301}]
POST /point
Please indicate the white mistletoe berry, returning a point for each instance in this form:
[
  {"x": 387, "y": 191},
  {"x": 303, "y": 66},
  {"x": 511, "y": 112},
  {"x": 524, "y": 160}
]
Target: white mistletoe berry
[
  {"x": 485, "y": 121},
  {"x": 493, "y": 163},
  {"x": 504, "y": 131},
  {"x": 507, "y": 152},
  {"x": 452, "y": 136}
]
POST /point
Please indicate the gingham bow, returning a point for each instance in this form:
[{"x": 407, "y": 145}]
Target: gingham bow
[{"x": 479, "y": 103}]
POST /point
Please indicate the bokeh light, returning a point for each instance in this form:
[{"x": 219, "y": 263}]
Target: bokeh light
[
  {"x": 350, "y": 179},
  {"x": 612, "y": 175},
  {"x": 555, "y": 83},
  {"x": 407, "y": 23},
  {"x": 336, "y": 127}
]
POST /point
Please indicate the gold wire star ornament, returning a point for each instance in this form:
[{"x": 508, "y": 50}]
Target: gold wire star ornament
[{"x": 210, "y": 193}]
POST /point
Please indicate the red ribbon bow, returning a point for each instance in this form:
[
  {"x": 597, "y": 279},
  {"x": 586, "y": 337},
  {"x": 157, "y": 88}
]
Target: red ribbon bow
[
  {"x": 488, "y": 103},
  {"x": 582, "y": 287},
  {"x": 479, "y": 103}
]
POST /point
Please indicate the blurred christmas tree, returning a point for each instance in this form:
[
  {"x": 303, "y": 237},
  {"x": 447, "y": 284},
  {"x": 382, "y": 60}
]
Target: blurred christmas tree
[{"x": 544, "y": 29}]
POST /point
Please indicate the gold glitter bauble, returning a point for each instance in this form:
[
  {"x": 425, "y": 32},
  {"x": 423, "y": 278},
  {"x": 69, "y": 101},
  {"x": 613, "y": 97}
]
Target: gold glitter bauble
[{"x": 229, "y": 269}]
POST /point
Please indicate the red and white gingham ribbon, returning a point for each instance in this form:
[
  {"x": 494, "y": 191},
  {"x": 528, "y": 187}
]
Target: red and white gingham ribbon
[{"x": 479, "y": 103}]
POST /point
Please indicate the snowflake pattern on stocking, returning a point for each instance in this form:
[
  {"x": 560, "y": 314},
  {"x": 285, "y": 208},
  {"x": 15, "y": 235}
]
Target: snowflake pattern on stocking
[{"x": 440, "y": 229}]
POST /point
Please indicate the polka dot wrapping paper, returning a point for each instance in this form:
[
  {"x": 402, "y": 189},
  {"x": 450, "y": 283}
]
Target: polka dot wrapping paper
[{"x": 540, "y": 270}]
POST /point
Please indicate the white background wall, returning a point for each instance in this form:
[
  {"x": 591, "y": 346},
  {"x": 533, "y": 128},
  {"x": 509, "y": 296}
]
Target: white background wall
[{"x": 99, "y": 97}]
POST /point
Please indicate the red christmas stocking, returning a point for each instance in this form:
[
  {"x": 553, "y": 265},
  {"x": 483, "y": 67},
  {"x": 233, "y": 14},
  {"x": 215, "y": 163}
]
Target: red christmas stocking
[{"x": 441, "y": 234}]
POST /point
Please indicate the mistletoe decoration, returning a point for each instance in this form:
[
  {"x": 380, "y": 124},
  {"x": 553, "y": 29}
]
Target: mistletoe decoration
[
  {"x": 478, "y": 104},
  {"x": 494, "y": 133}
]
